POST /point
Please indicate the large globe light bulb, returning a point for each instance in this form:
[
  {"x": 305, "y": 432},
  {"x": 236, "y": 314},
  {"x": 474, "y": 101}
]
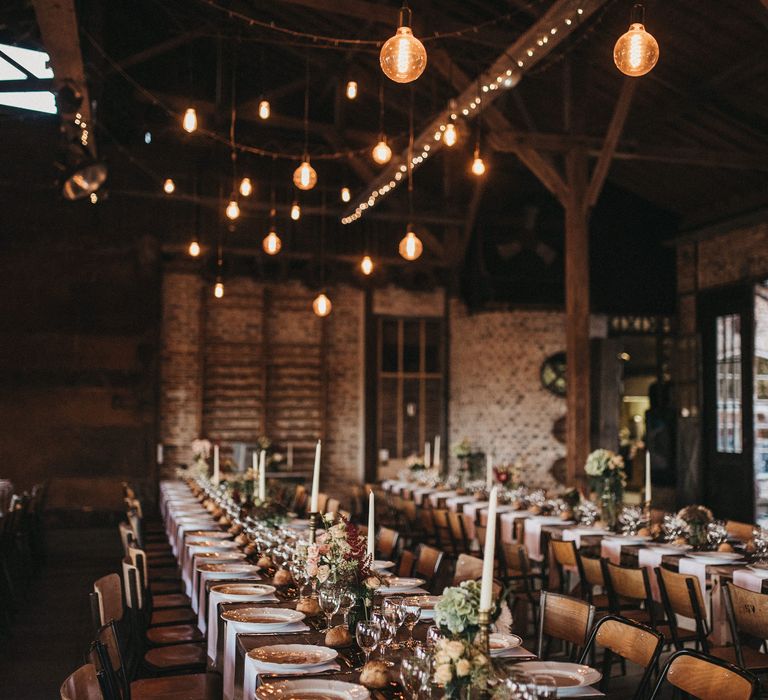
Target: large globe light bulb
[
  {"x": 381, "y": 153},
  {"x": 305, "y": 177},
  {"x": 322, "y": 305},
  {"x": 403, "y": 57},
  {"x": 411, "y": 247},
  {"x": 636, "y": 52}
]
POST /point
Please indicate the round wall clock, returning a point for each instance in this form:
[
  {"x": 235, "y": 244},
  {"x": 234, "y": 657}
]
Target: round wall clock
[{"x": 553, "y": 374}]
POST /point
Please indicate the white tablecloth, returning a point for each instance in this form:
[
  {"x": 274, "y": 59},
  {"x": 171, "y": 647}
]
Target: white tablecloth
[
  {"x": 211, "y": 627},
  {"x": 744, "y": 578}
]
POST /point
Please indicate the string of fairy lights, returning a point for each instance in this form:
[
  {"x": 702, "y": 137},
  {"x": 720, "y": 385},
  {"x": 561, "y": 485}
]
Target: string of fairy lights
[{"x": 402, "y": 59}]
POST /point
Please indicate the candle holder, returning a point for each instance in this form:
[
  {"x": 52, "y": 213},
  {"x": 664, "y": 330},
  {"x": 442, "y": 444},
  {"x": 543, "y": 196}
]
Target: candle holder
[
  {"x": 484, "y": 633},
  {"x": 647, "y": 513},
  {"x": 313, "y": 527}
]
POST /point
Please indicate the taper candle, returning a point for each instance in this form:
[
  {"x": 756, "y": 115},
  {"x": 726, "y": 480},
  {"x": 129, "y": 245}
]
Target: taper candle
[
  {"x": 263, "y": 476},
  {"x": 254, "y": 468},
  {"x": 486, "y": 588},
  {"x": 489, "y": 473},
  {"x": 436, "y": 458},
  {"x": 427, "y": 454},
  {"x": 215, "y": 465},
  {"x": 290, "y": 455},
  {"x": 371, "y": 525},
  {"x": 647, "y": 475},
  {"x": 316, "y": 480}
]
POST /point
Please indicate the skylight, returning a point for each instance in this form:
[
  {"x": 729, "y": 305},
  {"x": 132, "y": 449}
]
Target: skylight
[{"x": 36, "y": 62}]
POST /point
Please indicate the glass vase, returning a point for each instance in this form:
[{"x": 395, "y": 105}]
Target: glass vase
[{"x": 609, "y": 506}]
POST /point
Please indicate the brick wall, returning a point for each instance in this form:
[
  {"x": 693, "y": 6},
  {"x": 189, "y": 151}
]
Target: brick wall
[{"x": 496, "y": 397}]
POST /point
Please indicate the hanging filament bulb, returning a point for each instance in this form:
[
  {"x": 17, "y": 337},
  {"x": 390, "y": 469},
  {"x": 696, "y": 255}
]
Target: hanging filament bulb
[
  {"x": 305, "y": 176},
  {"x": 366, "y": 265},
  {"x": 478, "y": 166},
  {"x": 194, "y": 248},
  {"x": 351, "y": 90},
  {"x": 295, "y": 211},
  {"x": 636, "y": 52},
  {"x": 169, "y": 186},
  {"x": 403, "y": 57},
  {"x": 272, "y": 243},
  {"x": 246, "y": 187},
  {"x": 218, "y": 290},
  {"x": 264, "y": 109},
  {"x": 345, "y": 194},
  {"x": 411, "y": 246},
  {"x": 322, "y": 305},
  {"x": 233, "y": 210},
  {"x": 381, "y": 152},
  {"x": 450, "y": 135},
  {"x": 189, "y": 121}
]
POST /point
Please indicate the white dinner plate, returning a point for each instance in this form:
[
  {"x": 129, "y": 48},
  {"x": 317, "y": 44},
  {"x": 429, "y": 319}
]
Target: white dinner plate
[
  {"x": 283, "y": 657},
  {"x": 209, "y": 534},
  {"x": 500, "y": 642},
  {"x": 566, "y": 675},
  {"x": 219, "y": 556},
  {"x": 232, "y": 568},
  {"x": 629, "y": 539},
  {"x": 213, "y": 545},
  {"x": 398, "y": 584},
  {"x": 716, "y": 557},
  {"x": 312, "y": 689},
  {"x": 669, "y": 548},
  {"x": 243, "y": 591},
  {"x": 382, "y": 564},
  {"x": 263, "y": 619},
  {"x": 550, "y": 520},
  {"x": 759, "y": 570}
]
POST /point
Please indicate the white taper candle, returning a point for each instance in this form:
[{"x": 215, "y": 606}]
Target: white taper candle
[
  {"x": 263, "y": 476},
  {"x": 216, "y": 465},
  {"x": 647, "y": 475},
  {"x": 488, "y": 473},
  {"x": 486, "y": 589},
  {"x": 427, "y": 455},
  {"x": 254, "y": 467},
  {"x": 437, "y": 451},
  {"x": 371, "y": 525},
  {"x": 316, "y": 480}
]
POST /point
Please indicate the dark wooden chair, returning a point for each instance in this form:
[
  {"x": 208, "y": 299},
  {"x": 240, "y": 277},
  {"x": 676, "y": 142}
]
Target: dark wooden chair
[
  {"x": 748, "y": 621},
  {"x": 564, "y": 619},
  {"x": 681, "y": 595},
  {"x": 387, "y": 542},
  {"x": 82, "y": 684}
]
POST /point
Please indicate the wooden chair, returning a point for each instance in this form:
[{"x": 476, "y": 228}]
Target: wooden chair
[
  {"x": 741, "y": 531},
  {"x": 322, "y": 502},
  {"x": 459, "y": 532},
  {"x": 564, "y": 558},
  {"x": 83, "y": 684},
  {"x": 468, "y": 568},
  {"x": 705, "y": 678},
  {"x": 748, "y": 619},
  {"x": 443, "y": 532},
  {"x": 563, "y": 619},
  {"x": 628, "y": 640},
  {"x": 629, "y": 592},
  {"x": 299, "y": 501},
  {"x": 681, "y": 595},
  {"x": 406, "y": 563},
  {"x": 429, "y": 531},
  {"x": 332, "y": 506},
  {"x": 592, "y": 576},
  {"x": 386, "y": 543},
  {"x": 428, "y": 566},
  {"x": 522, "y": 580}
]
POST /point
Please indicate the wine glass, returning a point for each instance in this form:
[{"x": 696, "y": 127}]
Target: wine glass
[
  {"x": 367, "y": 634},
  {"x": 392, "y": 609},
  {"x": 329, "y": 602},
  {"x": 412, "y": 612},
  {"x": 433, "y": 635},
  {"x": 411, "y": 675},
  {"x": 387, "y": 630},
  {"x": 346, "y": 600}
]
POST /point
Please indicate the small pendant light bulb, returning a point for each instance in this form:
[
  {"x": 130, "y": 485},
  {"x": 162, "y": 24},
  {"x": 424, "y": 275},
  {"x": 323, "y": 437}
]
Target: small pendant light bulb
[
  {"x": 345, "y": 194},
  {"x": 403, "y": 57},
  {"x": 218, "y": 290},
  {"x": 189, "y": 122},
  {"x": 295, "y": 211},
  {"x": 411, "y": 246},
  {"x": 366, "y": 265},
  {"x": 478, "y": 166},
  {"x": 351, "y": 90},
  {"x": 264, "y": 109},
  {"x": 169, "y": 186},
  {"x": 450, "y": 135},
  {"x": 233, "y": 210},
  {"x": 322, "y": 305},
  {"x": 272, "y": 243},
  {"x": 194, "y": 248},
  {"x": 636, "y": 52},
  {"x": 305, "y": 176},
  {"x": 382, "y": 153},
  {"x": 246, "y": 187}
]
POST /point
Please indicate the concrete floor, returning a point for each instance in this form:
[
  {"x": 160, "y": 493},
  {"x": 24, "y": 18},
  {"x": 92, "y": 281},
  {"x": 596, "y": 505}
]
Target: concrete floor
[{"x": 52, "y": 629}]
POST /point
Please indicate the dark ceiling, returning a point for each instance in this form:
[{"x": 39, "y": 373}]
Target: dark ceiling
[{"x": 692, "y": 150}]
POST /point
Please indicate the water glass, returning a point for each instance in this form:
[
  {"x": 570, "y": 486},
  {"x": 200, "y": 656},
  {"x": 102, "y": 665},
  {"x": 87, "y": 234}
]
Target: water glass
[
  {"x": 433, "y": 635},
  {"x": 387, "y": 629},
  {"x": 412, "y": 612},
  {"x": 392, "y": 609},
  {"x": 413, "y": 672},
  {"x": 328, "y": 598},
  {"x": 367, "y": 635},
  {"x": 347, "y": 599}
]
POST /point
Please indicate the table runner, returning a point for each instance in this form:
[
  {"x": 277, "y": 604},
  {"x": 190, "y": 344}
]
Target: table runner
[{"x": 211, "y": 627}]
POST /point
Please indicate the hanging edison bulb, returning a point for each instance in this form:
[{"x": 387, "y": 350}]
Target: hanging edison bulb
[
  {"x": 189, "y": 121},
  {"x": 366, "y": 265},
  {"x": 295, "y": 211},
  {"x": 411, "y": 246},
  {"x": 264, "y": 109},
  {"x": 346, "y": 195},
  {"x": 478, "y": 166},
  {"x": 351, "y": 90},
  {"x": 305, "y": 176},
  {"x": 246, "y": 187},
  {"x": 403, "y": 57},
  {"x": 218, "y": 290},
  {"x": 272, "y": 243},
  {"x": 194, "y": 248},
  {"x": 381, "y": 152},
  {"x": 636, "y": 52},
  {"x": 322, "y": 305},
  {"x": 450, "y": 135},
  {"x": 169, "y": 186},
  {"x": 233, "y": 210}
]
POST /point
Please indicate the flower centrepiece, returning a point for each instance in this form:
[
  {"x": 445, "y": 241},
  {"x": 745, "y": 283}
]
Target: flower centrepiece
[{"x": 607, "y": 480}]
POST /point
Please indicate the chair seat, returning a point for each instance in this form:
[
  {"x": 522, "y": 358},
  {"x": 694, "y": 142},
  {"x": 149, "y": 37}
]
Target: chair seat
[
  {"x": 172, "y": 616},
  {"x": 753, "y": 659},
  {"x": 170, "y": 600},
  {"x": 160, "y": 587},
  {"x": 175, "y": 634},
  {"x": 197, "y": 686},
  {"x": 177, "y": 655}
]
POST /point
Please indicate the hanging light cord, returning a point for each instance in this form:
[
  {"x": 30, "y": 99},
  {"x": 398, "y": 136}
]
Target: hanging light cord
[
  {"x": 381, "y": 109},
  {"x": 410, "y": 159},
  {"x": 306, "y": 112},
  {"x": 232, "y": 142}
]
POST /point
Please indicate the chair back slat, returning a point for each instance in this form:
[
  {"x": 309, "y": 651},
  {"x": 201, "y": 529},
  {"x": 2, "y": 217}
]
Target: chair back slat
[
  {"x": 705, "y": 678},
  {"x": 386, "y": 542},
  {"x": 458, "y": 533},
  {"x": 564, "y": 618},
  {"x": 593, "y": 570},
  {"x": 468, "y": 568},
  {"x": 678, "y": 595},
  {"x": 83, "y": 684},
  {"x": 749, "y": 610},
  {"x": 110, "y": 596},
  {"x": 564, "y": 552},
  {"x": 629, "y": 582},
  {"x": 635, "y": 643},
  {"x": 428, "y": 563}
]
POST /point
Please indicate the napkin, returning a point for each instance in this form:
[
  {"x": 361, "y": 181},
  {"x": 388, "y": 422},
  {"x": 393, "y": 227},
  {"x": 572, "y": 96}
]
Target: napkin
[
  {"x": 253, "y": 669},
  {"x": 231, "y": 630},
  {"x": 198, "y": 586},
  {"x": 212, "y": 624},
  {"x": 748, "y": 579}
]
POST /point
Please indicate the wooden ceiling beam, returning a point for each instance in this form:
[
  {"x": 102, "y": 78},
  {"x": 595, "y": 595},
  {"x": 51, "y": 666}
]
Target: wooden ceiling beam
[
  {"x": 157, "y": 50},
  {"x": 615, "y": 127}
]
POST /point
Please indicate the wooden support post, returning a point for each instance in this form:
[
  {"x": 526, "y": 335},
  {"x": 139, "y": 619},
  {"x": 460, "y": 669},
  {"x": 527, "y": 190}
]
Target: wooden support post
[{"x": 577, "y": 443}]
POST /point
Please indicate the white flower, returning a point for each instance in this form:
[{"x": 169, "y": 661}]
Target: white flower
[
  {"x": 443, "y": 674},
  {"x": 463, "y": 667},
  {"x": 323, "y": 572},
  {"x": 372, "y": 583},
  {"x": 454, "y": 649}
]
